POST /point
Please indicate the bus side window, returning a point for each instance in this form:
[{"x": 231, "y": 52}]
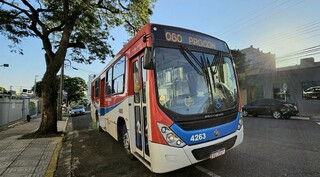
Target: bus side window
[
  {"x": 109, "y": 82},
  {"x": 97, "y": 88},
  {"x": 136, "y": 81},
  {"x": 118, "y": 76}
]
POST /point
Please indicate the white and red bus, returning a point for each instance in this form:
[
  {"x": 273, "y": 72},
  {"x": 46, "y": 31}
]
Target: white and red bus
[{"x": 171, "y": 95}]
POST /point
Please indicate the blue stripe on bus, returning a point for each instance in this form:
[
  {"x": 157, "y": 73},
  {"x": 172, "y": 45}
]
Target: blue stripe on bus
[
  {"x": 208, "y": 134},
  {"x": 105, "y": 110}
]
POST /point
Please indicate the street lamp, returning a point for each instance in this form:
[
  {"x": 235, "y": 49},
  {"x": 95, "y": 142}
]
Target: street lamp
[{"x": 5, "y": 65}]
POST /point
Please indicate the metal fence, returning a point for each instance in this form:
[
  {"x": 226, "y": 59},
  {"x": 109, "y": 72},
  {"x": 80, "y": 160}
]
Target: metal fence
[{"x": 12, "y": 109}]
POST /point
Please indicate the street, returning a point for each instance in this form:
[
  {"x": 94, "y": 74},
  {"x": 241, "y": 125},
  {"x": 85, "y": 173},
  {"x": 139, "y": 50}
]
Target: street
[{"x": 271, "y": 148}]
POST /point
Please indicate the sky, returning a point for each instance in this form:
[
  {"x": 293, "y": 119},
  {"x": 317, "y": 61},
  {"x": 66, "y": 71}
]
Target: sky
[{"x": 286, "y": 28}]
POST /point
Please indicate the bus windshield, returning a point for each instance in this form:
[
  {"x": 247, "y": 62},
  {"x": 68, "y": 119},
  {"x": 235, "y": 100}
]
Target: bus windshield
[{"x": 191, "y": 82}]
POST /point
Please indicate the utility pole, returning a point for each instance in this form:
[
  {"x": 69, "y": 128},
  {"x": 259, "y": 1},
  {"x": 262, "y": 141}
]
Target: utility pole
[
  {"x": 60, "y": 94},
  {"x": 35, "y": 86},
  {"x": 35, "y": 93}
]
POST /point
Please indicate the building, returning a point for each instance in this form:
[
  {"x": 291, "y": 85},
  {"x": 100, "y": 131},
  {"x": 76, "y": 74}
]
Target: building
[
  {"x": 257, "y": 65},
  {"x": 90, "y": 78},
  {"x": 258, "y": 61},
  {"x": 299, "y": 84}
]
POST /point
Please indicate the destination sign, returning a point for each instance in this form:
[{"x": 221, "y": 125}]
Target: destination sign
[
  {"x": 187, "y": 39},
  {"x": 184, "y": 36}
]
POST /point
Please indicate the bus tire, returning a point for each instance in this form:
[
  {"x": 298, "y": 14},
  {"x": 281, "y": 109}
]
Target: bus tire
[
  {"x": 98, "y": 123},
  {"x": 126, "y": 142}
]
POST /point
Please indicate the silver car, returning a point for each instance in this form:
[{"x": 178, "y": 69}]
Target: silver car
[{"x": 77, "y": 110}]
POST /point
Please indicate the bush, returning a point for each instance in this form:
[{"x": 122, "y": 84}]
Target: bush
[{"x": 32, "y": 108}]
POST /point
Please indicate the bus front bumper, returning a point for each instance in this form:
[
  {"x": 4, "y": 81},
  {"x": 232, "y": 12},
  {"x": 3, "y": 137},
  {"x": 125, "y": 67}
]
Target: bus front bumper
[{"x": 166, "y": 158}]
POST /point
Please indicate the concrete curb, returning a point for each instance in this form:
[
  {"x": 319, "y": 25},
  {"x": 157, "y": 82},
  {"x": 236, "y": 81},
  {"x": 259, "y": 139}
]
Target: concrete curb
[
  {"x": 315, "y": 119},
  {"x": 54, "y": 159},
  {"x": 65, "y": 126},
  {"x": 52, "y": 167}
]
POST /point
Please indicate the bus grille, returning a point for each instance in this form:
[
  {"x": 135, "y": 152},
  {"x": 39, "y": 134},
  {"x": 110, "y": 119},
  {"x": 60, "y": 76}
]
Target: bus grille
[
  {"x": 207, "y": 123},
  {"x": 205, "y": 152}
]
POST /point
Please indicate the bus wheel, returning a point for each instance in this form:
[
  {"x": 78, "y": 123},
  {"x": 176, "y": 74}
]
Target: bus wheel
[
  {"x": 126, "y": 142},
  {"x": 98, "y": 123}
]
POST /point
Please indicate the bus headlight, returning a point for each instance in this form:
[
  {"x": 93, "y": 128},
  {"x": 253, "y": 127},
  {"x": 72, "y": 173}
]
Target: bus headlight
[
  {"x": 171, "y": 138},
  {"x": 240, "y": 122}
]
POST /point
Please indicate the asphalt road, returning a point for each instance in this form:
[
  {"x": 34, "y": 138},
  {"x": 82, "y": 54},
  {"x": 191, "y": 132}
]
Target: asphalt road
[{"x": 288, "y": 148}]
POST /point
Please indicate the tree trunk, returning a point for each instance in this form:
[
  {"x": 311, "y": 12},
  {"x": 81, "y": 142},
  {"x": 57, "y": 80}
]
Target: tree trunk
[
  {"x": 49, "y": 96},
  {"x": 49, "y": 90}
]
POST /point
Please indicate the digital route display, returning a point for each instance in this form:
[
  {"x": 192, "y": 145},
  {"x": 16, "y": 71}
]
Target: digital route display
[{"x": 183, "y": 36}]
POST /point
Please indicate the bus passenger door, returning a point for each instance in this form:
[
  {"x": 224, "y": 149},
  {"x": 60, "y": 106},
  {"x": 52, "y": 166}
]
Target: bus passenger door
[{"x": 140, "y": 108}]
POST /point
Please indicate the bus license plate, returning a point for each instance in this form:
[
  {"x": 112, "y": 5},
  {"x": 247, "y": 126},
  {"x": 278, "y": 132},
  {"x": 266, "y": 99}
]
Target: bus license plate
[{"x": 217, "y": 153}]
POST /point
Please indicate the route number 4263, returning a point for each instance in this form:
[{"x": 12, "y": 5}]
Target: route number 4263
[{"x": 198, "y": 137}]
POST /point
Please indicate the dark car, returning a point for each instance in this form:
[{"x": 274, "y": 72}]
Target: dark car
[
  {"x": 276, "y": 108},
  {"x": 312, "y": 93}
]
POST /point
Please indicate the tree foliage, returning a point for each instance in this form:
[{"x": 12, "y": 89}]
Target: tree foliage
[
  {"x": 240, "y": 60},
  {"x": 3, "y": 90},
  {"x": 78, "y": 28},
  {"x": 241, "y": 66},
  {"x": 74, "y": 86}
]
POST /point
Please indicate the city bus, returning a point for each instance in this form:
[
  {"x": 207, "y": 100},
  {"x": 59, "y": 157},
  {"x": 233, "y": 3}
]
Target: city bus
[{"x": 171, "y": 96}]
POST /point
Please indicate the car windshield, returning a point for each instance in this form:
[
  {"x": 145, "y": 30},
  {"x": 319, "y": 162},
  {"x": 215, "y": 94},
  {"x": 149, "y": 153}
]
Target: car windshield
[
  {"x": 194, "y": 82},
  {"x": 77, "y": 107}
]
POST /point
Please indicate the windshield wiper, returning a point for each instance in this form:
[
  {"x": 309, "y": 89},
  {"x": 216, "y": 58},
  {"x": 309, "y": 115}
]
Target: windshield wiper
[
  {"x": 206, "y": 65},
  {"x": 202, "y": 65},
  {"x": 183, "y": 50},
  {"x": 216, "y": 63}
]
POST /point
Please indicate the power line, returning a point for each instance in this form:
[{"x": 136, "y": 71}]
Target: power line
[
  {"x": 311, "y": 51},
  {"x": 87, "y": 71},
  {"x": 230, "y": 27},
  {"x": 69, "y": 66},
  {"x": 302, "y": 34},
  {"x": 235, "y": 30},
  {"x": 303, "y": 29}
]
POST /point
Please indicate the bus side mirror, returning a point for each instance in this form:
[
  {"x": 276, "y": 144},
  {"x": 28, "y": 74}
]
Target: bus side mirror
[{"x": 148, "y": 58}]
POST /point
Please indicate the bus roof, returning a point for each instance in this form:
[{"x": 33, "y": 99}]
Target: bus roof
[{"x": 174, "y": 35}]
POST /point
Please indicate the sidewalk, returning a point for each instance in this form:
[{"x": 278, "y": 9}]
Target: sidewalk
[{"x": 28, "y": 157}]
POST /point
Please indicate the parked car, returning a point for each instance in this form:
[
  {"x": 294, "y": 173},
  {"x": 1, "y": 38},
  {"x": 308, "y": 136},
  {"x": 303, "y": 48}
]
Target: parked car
[
  {"x": 312, "y": 93},
  {"x": 77, "y": 110},
  {"x": 276, "y": 108}
]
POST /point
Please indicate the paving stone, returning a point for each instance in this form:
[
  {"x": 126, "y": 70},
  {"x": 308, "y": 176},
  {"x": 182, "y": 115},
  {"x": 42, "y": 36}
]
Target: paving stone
[
  {"x": 4, "y": 164},
  {"x": 32, "y": 149},
  {"x": 16, "y": 175},
  {"x": 44, "y": 162},
  {"x": 41, "y": 168},
  {"x": 25, "y": 157},
  {"x": 12, "y": 150},
  {"x": 19, "y": 170},
  {"x": 12, "y": 154},
  {"x": 7, "y": 158},
  {"x": 25, "y": 163},
  {"x": 40, "y": 174},
  {"x": 2, "y": 170},
  {"x": 33, "y": 153}
]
